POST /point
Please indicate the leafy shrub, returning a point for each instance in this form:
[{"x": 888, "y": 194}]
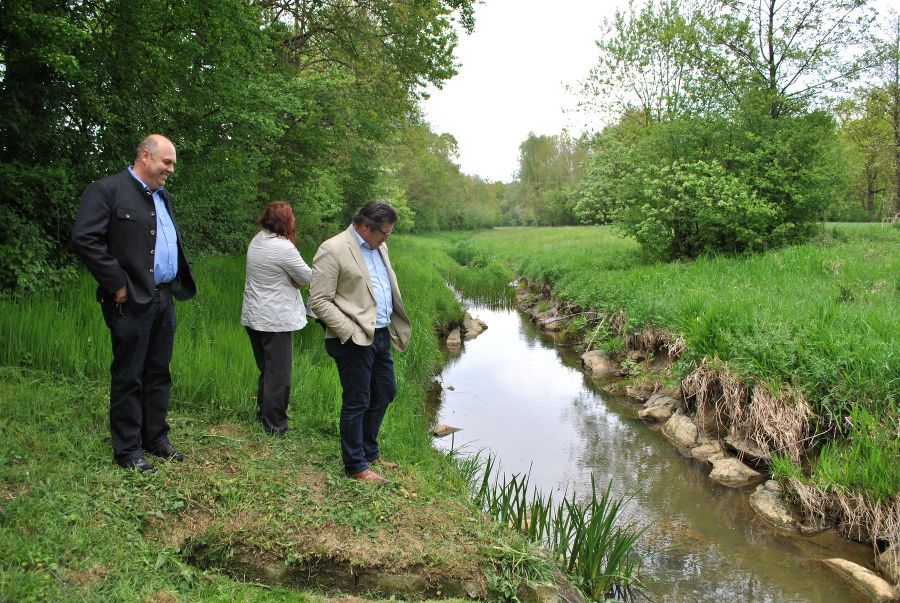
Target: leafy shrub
[
  {"x": 30, "y": 259},
  {"x": 689, "y": 209}
]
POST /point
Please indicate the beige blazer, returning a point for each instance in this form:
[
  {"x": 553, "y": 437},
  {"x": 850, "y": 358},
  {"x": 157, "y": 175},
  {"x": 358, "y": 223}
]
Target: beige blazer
[{"x": 341, "y": 293}]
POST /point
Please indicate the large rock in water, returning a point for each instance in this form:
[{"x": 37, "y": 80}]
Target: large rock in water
[
  {"x": 454, "y": 340},
  {"x": 868, "y": 581},
  {"x": 768, "y": 501},
  {"x": 733, "y": 473},
  {"x": 473, "y": 327},
  {"x": 682, "y": 431},
  {"x": 708, "y": 451},
  {"x": 598, "y": 364}
]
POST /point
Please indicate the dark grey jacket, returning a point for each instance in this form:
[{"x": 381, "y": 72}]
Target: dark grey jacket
[{"x": 115, "y": 236}]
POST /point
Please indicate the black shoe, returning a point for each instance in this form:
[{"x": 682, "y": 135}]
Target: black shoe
[
  {"x": 167, "y": 451},
  {"x": 138, "y": 463}
]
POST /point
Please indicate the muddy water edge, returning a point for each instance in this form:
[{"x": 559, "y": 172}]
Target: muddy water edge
[{"x": 514, "y": 393}]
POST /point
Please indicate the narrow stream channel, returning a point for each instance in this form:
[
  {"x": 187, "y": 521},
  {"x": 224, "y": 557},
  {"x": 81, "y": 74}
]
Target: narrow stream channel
[{"x": 513, "y": 393}]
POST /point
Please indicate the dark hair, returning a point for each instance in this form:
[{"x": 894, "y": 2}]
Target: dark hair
[
  {"x": 278, "y": 218},
  {"x": 375, "y": 214}
]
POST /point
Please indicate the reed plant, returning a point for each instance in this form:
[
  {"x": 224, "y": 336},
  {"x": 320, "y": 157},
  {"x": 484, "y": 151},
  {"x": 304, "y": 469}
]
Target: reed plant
[{"x": 588, "y": 540}]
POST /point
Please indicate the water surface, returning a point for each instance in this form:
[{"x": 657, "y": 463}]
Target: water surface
[{"x": 513, "y": 393}]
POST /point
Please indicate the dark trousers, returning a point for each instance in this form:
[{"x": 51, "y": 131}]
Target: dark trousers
[
  {"x": 368, "y": 383},
  {"x": 142, "y": 342},
  {"x": 273, "y": 354}
]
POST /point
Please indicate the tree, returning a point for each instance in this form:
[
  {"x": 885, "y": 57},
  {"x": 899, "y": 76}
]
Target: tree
[
  {"x": 263, "y": 100},
  {"x": 646, "y": 63},
  {"x": 549, "y": 166},
  {"x": 887, "y": 99},
  {"x": 791, "y": 50},
  {"x": 869, "y": 142}
]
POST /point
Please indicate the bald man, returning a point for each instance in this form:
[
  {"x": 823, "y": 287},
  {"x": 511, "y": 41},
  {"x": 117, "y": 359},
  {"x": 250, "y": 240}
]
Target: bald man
[{"x": 127, "y": 237}]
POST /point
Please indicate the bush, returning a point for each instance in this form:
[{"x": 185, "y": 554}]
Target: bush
[
  {"x": 30, "y": 260},
  {"x": 686, "y": 210}
]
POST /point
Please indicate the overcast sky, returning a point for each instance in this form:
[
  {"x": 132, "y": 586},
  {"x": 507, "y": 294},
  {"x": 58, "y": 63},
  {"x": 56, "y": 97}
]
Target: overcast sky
[{"x": 512, "y": 77}]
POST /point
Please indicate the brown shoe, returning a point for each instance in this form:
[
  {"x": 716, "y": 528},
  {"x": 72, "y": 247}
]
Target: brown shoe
[
  {"x": 369, "y": 476},
  {"x": 384, "y": 463}
]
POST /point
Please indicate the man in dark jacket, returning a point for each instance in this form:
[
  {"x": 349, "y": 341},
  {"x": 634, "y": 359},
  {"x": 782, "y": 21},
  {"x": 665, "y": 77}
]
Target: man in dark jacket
[{"x": 127, "y": 237}]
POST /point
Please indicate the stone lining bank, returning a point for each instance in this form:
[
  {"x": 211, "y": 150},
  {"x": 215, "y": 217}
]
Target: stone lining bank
[{"x": 737, "y": 458}]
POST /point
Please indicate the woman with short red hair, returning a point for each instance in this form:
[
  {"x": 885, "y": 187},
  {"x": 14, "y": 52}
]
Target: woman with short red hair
[{"x": 273, "y": 309}]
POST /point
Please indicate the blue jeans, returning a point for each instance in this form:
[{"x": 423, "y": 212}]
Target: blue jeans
[{"x": 368, "y": 383}]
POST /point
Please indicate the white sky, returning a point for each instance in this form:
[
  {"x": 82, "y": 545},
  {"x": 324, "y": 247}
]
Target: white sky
[{"x": 512, "y": 77}]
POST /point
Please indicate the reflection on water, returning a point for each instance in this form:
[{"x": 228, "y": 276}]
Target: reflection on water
[{"x": 513, "y": 394}]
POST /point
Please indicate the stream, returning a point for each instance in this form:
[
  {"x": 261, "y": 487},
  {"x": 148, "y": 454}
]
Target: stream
[{"x": 514, "y": 394}]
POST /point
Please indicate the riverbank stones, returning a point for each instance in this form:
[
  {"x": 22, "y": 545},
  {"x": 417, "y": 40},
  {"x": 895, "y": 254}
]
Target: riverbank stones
[
  {"x": 682, "y": 431},
  {"x": 658, "y": 408},
  {"x": 454, "y": 340},
  {"x": 599, "y": 364},
  {"x": 866, "y": 580},
  {"x": 708, "y": 451},
  {"x": 473, "y": 327},
  {"x": 732, "y": 473},
  {"x": 768, "y": 502}
]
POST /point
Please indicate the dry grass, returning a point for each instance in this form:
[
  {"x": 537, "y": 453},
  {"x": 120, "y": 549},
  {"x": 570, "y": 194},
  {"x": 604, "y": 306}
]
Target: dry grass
[{"x": 774, "y": 423}]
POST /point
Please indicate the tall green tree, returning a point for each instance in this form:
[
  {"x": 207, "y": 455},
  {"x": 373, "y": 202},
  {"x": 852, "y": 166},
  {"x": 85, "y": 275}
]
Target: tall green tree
[
  {"x": 791, "y": 51},
  {"x": 549, "y": 166}
]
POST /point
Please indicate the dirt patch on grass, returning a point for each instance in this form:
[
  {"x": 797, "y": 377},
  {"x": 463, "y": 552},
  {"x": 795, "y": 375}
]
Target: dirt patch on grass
[{"x": 84, "y": 578}]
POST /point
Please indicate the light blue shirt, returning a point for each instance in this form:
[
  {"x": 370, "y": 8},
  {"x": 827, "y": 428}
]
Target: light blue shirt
[
  {"x": 165, "y": 257},
  {"x": 381, "y": 282}
]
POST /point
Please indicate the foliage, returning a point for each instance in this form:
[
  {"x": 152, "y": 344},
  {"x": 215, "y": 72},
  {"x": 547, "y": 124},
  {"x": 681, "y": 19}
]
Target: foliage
[
  {"x": 695, "y": 185},
  {"x": 441, "y": 197},
  {"x": 713, "y": 107},
  {"x": 291, "y": 100},
  {"x": 695, "y": 208},
  {"x": 867, "y": 460},
  {"x": 549, "y": 167},
  {"x": 867, "y": 137}
]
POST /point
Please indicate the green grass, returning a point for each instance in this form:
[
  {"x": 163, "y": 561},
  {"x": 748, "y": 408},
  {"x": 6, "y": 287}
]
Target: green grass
[
  {"x": 73, "y": 526},
  {"x": 822, "y": 317}
]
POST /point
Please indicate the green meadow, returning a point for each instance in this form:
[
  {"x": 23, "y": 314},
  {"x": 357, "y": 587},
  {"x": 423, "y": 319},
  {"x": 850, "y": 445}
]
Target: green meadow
[
  {"x": 73, "y": 526},
  {"x": 823, "y": 317}
]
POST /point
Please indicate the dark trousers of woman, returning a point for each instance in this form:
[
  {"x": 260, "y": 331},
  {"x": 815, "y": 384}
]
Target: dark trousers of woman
[
  {"x": 142, "y": 341},
  {"x": 369, "y": 386},
  {"x": 274, "y": 358}
]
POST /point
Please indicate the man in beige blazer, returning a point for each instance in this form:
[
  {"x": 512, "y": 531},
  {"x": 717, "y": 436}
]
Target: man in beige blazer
[{"x": 354, "y": 293}]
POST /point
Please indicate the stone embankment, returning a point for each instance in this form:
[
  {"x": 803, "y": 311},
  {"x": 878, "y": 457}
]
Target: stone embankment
[{"x": 715, "y": 418}]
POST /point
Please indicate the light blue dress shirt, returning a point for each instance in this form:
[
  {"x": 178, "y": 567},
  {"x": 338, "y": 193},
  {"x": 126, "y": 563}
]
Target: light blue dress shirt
[
  {"x": 381, "y": 282},
  {"x": 165, "y": 257}
]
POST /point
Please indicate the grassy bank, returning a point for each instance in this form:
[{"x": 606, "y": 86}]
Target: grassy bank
[
  {"x": 814, "y": 325},
  {"x": 73, "y": 526}
]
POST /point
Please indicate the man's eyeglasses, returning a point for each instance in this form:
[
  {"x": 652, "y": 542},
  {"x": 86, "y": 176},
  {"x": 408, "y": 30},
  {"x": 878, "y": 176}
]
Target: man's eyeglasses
[{"x": 385, "y": 234}]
